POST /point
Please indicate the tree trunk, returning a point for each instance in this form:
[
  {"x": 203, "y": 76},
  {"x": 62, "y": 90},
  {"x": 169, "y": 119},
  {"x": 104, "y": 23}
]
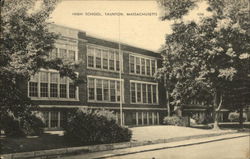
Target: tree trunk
[
  {"x": 217, "y": 111},
  {"x": 168, "y": 103},
  {"x": 241, "y": 117}
]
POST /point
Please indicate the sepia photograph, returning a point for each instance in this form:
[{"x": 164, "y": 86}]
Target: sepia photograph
[{"x": 125, "y": 79}]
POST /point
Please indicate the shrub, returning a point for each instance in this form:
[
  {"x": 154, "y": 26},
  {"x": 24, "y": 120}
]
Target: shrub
[
  {"x": 174, "y": 120},
  {"x": 87, "y": 126},
  {"x": 30, "y": 124},
  {"x": 234, "y": 116}
]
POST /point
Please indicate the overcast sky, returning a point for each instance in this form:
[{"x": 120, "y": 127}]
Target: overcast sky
[{"x": 142, "y": 31}]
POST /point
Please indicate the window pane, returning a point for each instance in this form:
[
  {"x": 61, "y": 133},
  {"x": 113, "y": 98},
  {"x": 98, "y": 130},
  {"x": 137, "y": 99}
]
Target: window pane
[
  {"x": 138, "y": 92},
  {"x": 118, "y": 90},
  {"x": 53, "y": 90},
  {"x": 90, "y": 53},
  {"x": 143, "y": 68},
  {"x": 54, "y": 120},
  {"x": 54, "y": 77},
  {"x": 144, "y": 93},
  {"x": 138, "y": 67},
  {"x": 72, "y": 55},
  {"x": 132, "y": 64},
  {"x": 33, "y": 89},
  {"x": 106, "y": 90},
  {"x": 44, "y": 76},
  {"x": 44, "y": 89},
  {"x": 72, "y": 90},
  {"x": 34, "y": 78},
  {"x": 63, "y": 90},
  {"x": 105, "y": 59},
  {"x": 112, "y": 91},
  {"x": 132, "y": 87},
  {"x": 111, "y": 60},
  {"x": 91, "y": 86},
  {"x": 153, "y": 66},
  {"x": 99, "y": 90},
  {"x": 149, "y": 94},
  {"x": 63, "y": 53},
  {"x": 98, "y": 56},
  {"x": 154, "y": 94},
  {"x": 117, "y": 61},
  {"x": 148, "y": 66}
]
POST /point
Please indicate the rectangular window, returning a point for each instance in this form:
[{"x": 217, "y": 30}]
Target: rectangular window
[
  {"x": 118, "y": 97},
  {"x": 53, "y": 85},
  {"x": 132, "y": 88},
  {"x": 148, "y": 66},
  {"x": 44, "y": 84},
  {"x": 143, "y": 66},
  {"x": 117, "y": 61},
  {"x": 98, "y": 58},
  {"x": 91, "y": 88},
  {"x": 105, "y": 56},
  {"x": 63, "y": 53},
  {"x": 54, "y": 119},
  {"x": 111, "y": 60},
  {"x": 132, "y": 64},
  {"x": 138, "y": 66},
  {"x": 106, "y": 90},
  {"x": 154, "y": 94},
  {"x": 72, "y": 90},
  {"x": 63, "y": 87},
  {"x": 153, "y": 66},
  {"x": 33, "y": 89},
  {"x": 149, "y": 94},
  {"x": 90, "y": 53},
  {"x": 138, "y": 93},
  {"x": 143, "y": 93},
  {"x": 112, "y": 91},
  {"x": 99, "y": 90},
  {"x": 72, "y": 55}
]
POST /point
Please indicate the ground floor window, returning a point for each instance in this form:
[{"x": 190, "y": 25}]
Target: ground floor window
[{"x": 53, "y": 119}]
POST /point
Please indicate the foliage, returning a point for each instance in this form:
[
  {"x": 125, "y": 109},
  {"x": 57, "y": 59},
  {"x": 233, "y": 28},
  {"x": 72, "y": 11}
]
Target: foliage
[
  {"x": 25, "y": 45},
  {"x": 174, "y": 120},
  {"x": 27, "y": 125},
  {"x": 88, "y": 126},
  {"x": 203, "y": 56}
]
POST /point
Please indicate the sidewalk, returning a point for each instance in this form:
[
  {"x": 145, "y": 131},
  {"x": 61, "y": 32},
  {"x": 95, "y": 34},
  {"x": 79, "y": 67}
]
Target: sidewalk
[
  {"x": 141, "y": 136},
  {"x": 128, "y": 151}
]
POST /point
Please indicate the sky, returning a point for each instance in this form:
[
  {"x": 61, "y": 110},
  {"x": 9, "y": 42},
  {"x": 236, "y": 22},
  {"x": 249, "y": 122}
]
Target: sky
[{"x": 147, "y": 32}]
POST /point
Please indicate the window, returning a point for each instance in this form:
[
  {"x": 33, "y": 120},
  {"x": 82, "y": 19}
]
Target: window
[
  {"x": 62, "y": 53},
  {"x": 105, "y": 59},
  {"x": 132, "y": 64},
  {"x": 102, "y": 58},
  {"x": 54, "y": 120},
  {"x": 53, "y": 85},
  {"x": 47, "y": 84},
  {"x": 90, "y": 57},
  {"x": 53, "y": 54},
  {"x": 102, "y": 89},
  {"x": 63, "y": 87},
  {"x": 111, "y": 60},
  {"x": 44, "y": 84},
  {"x": 98, "y": 58},
  {"x": 99, "y": 90},
  {"x": 142, "y": 65},
  {"x": 144, "y": 92},
  {"x": 33, "y": 86},
  {"x": 91, "y": 89},
  {"x": 71, "y": 54}
]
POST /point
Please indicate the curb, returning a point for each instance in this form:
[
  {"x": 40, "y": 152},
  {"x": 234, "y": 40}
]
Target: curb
[{"x": 54, "y": 153}]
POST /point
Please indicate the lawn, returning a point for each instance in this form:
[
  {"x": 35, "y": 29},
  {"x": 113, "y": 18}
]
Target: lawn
[{"x": 54, "y": 139}]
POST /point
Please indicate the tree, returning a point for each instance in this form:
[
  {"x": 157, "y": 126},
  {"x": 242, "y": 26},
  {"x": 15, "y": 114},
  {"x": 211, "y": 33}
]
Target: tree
[
  {"x": 25, "y": 46},
  {"x": 207, "y": 56}
]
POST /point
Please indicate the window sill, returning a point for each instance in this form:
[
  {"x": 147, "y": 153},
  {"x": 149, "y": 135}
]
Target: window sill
[
  {"x": 134, "y": 74},
  {"x": 104, "y": 70},
  {"x": 55, "y": 99},
  {"x": 94, "y": 101},
  {"x": 145, "y": 103}
]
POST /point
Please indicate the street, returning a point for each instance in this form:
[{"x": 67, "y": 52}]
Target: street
[{"x": 237, "y": 148}]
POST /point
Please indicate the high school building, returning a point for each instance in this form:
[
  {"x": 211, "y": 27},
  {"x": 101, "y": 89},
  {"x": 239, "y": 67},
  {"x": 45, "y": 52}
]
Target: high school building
[{"x": 111, "y": 81}]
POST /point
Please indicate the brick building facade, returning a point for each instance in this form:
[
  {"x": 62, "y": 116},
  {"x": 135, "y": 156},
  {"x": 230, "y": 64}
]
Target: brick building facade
[{"x": 143, "y": 99}]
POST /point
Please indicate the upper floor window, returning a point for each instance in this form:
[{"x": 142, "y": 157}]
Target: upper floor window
[
  {"x": 142, "y": 65},
  {"x": 144, "y": 92},
  {"x": 104, "y": 89},
  {"x": 103, "y": 58},
  {"x": 46, "y": 84},
  {"x": 63, "y": 53}
]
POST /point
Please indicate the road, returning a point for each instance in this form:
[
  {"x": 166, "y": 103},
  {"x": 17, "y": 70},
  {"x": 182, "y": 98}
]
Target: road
[{"x": 237, "y": 148}]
